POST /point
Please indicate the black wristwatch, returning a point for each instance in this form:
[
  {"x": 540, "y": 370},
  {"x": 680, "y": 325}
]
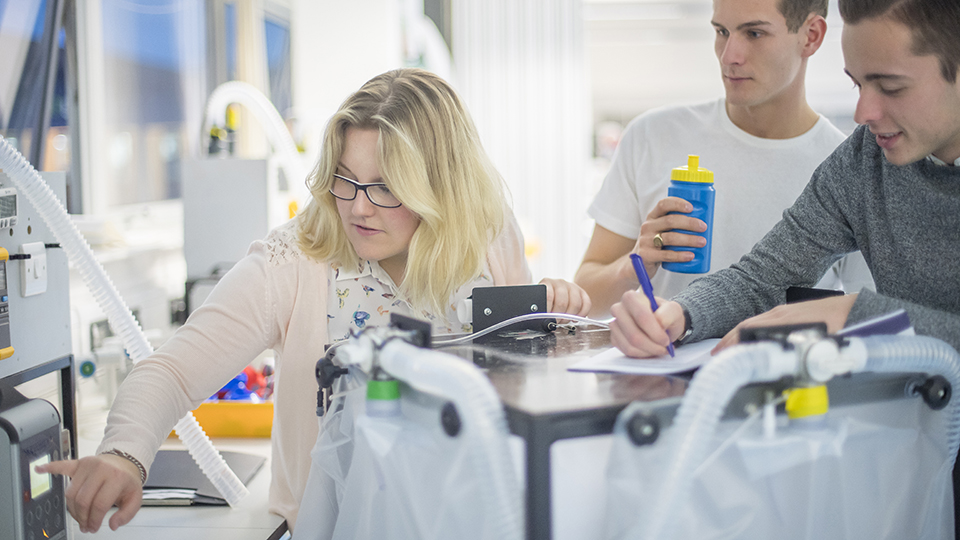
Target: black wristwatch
[{"x": 687, "y": 328}]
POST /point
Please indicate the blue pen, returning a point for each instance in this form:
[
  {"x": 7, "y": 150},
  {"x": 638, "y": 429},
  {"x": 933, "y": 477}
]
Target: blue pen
[{"x": 646, "y": 286}]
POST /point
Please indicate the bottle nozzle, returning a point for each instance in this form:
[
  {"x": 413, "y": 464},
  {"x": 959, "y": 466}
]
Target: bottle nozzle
[{"x": 692, "y": 172}]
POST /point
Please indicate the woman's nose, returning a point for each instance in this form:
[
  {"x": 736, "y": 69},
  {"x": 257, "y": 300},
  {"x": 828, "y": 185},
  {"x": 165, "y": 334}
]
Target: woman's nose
[{"x": 362, "y": 206}]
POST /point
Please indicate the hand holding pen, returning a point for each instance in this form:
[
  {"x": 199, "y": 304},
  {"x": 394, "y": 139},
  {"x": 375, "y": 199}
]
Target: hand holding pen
[
  {"x": 640, "y": 328},
  {"x": 647, "y": 287}
]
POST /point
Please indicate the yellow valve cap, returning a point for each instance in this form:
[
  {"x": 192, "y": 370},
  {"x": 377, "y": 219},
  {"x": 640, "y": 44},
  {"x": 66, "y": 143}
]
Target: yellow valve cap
[
  {"x": 803, "y": 402},
  {"x": 232, "y": 116},
  {"x": 692, "y": 172}
]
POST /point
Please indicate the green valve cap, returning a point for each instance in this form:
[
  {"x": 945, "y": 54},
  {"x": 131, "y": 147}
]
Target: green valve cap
[{"x": 383, "y": 390}]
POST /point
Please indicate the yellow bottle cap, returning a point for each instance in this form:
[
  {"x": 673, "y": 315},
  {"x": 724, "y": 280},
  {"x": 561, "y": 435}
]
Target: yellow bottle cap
[
  {"x": 803, "y": 402},
  {"x": 693, "y": 172}
]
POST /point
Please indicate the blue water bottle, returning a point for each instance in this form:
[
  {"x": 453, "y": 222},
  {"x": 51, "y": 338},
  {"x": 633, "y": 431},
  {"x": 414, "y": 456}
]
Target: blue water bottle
[{"x": 694, "y": 184}]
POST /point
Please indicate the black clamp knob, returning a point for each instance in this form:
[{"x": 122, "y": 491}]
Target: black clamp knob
[
  {"x": 326, "y": 373},
  {"x": 936, "y": 392},
  {"x": 643, "y": 429},
  {"x": 450, "y": 419}
]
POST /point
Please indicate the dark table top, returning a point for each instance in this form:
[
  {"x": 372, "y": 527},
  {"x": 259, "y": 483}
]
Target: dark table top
[{"x": 531, "y": 375}]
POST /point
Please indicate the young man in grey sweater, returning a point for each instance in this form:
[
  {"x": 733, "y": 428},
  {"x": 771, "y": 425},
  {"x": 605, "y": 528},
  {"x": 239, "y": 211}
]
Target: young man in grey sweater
[{"x": 891, "y": 190}]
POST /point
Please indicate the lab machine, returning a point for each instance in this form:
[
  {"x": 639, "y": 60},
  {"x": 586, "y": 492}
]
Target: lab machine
[
  {"x": 35, "y": 341},
  {"x": 32, "y": 505}
]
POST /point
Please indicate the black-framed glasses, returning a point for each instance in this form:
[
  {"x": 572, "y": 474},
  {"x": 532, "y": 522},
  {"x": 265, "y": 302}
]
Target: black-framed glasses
[{"x": 379, "y": 194}]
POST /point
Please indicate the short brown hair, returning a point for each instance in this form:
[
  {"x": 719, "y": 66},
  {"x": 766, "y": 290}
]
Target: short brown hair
[
  {"x": 797, "y": 11},
  {"x": 933, "y": 23}
]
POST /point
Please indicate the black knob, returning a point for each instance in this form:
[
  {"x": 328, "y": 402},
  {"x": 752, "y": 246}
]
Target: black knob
[
  {"x": 936, "y": 392},
  {"x": 327, "y": 372},
  {"x": 450, "y": 419},
  {"x": 643, "y": 429}
]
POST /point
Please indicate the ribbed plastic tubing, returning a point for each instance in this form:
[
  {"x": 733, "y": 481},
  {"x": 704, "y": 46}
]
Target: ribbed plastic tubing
[{"x": 29, "y": 183}]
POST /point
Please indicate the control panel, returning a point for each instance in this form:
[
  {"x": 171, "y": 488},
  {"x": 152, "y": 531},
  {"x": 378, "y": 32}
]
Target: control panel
[{"x": 32, "y": 505}]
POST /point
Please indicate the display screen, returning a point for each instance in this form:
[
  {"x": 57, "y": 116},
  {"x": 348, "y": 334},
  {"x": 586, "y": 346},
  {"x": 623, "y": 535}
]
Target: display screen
[
  {"x": 8, "y": 206},
  {"x": 39, "y": 482}
]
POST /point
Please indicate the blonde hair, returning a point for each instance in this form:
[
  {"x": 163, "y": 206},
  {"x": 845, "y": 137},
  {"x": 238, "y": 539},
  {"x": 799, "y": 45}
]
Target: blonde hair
[{"x": 430, "y": 156}]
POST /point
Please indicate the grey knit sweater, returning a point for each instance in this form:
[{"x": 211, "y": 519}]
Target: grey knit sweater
[{"x": 905, "y": 220}]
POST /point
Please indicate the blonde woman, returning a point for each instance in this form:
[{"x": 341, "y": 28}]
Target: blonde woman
[{"x": 408, "y": 215}]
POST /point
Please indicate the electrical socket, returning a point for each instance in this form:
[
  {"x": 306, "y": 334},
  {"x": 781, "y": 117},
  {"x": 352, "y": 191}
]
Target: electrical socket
[{"x": 33, "y": 271}]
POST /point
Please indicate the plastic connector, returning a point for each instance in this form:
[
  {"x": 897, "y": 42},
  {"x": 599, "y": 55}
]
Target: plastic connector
[
  {"x": 828, "y": 358},
  {"x": 821, "y": 360},
  {"x": 359, "y": 352},
  {"x": 781, "y": 361}
]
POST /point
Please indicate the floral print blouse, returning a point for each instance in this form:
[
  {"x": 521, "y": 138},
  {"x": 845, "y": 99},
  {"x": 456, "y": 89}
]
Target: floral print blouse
[{"x": 366, "y": 297}]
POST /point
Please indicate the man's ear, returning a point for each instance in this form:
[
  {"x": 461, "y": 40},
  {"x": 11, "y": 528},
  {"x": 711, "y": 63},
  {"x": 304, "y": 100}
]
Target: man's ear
[{"x": 812, "y": 32}]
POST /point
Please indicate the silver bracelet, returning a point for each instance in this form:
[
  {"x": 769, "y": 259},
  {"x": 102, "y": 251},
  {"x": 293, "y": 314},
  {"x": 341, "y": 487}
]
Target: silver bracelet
[{"x": 131, "y": 459}]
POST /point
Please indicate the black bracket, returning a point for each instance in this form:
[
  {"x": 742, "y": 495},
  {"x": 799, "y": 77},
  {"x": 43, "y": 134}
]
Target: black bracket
[
  {"x": 326, "y": 373},
  {"x": 779, "y": 333},
  {"x": 421, "y": 329}
]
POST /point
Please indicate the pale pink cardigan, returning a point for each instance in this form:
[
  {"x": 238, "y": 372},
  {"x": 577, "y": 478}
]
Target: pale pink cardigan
[{"x": 275, "y": 298}]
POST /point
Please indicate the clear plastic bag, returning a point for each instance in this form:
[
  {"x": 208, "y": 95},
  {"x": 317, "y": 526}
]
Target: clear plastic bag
[
  {"x": 395, "y": 477},
  {"x": 871, "y": 471}
]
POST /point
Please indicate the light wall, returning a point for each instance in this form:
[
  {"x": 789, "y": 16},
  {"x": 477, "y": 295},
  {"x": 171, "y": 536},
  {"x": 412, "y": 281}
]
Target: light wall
[
  {"x": 521, "y": 69},
  {"x": 336, "y": 47},
  {"x": 644, "y": 54}
]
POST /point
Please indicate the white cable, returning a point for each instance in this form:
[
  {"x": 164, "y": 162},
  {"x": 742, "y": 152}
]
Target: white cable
[{"x": 520, "y": 318}]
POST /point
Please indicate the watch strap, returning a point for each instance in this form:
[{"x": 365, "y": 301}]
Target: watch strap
[{"x": 687, "y": 329}]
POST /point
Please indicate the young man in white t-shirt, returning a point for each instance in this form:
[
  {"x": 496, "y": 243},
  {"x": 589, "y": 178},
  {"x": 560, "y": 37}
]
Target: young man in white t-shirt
[{"x": 762, "y": 141}]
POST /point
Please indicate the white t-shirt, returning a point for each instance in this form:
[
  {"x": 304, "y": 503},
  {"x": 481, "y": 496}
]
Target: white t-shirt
[{"x": 755, "y": 179}]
